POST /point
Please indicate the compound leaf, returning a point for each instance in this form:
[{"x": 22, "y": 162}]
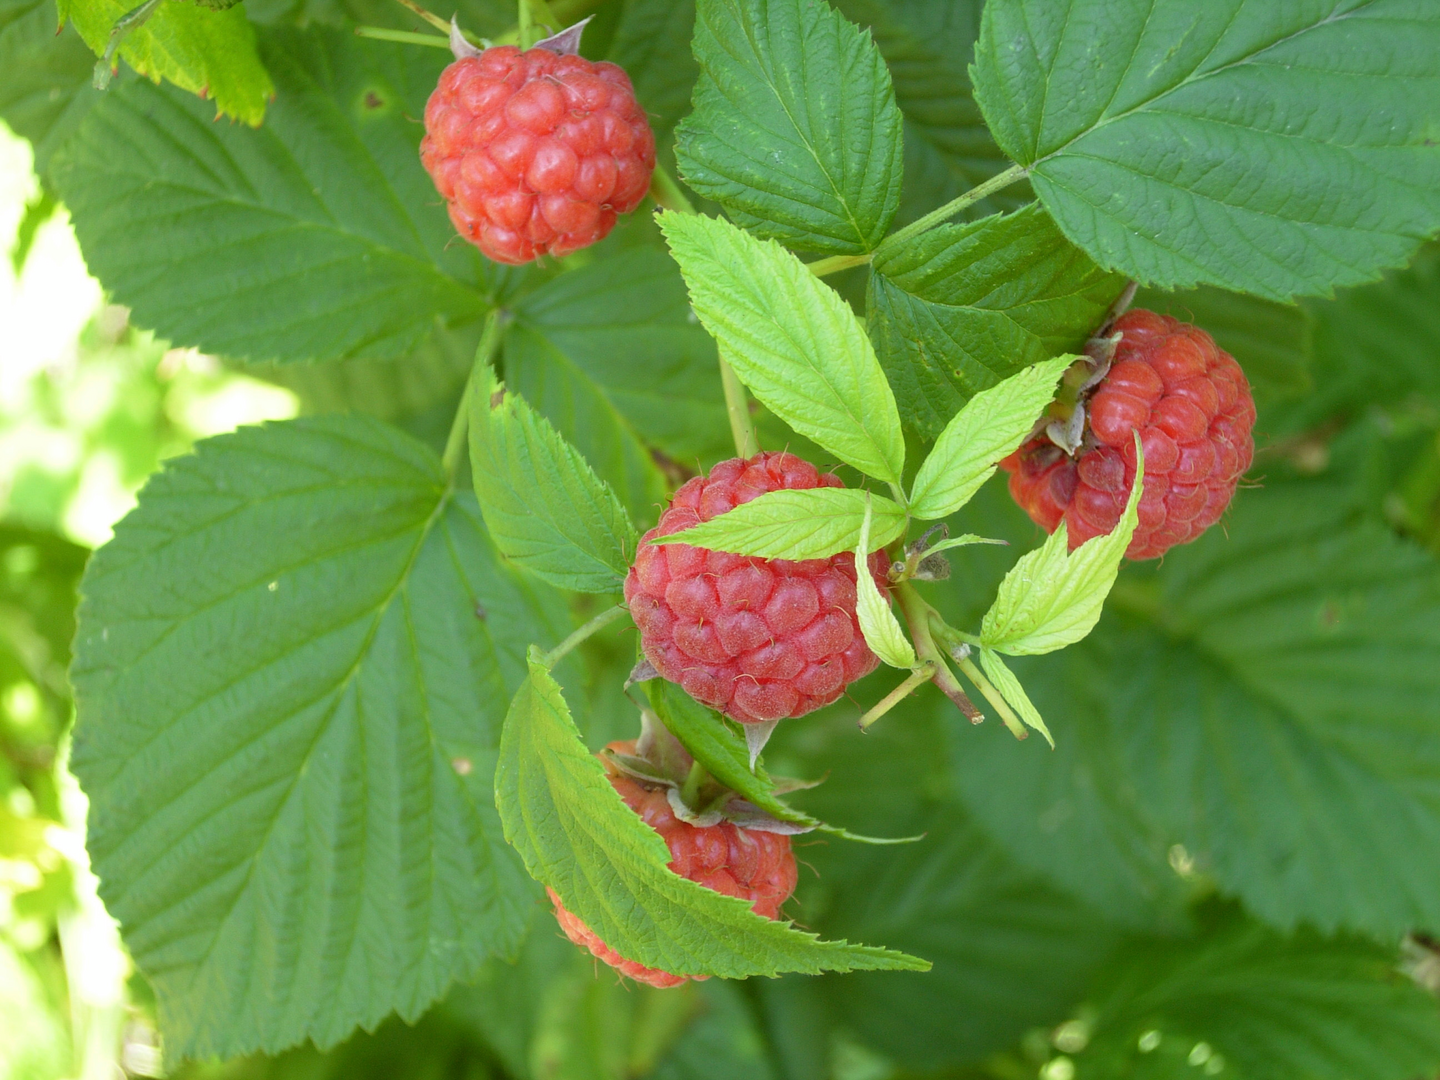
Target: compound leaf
[
  {"x": 609, "y": 868},
  {"x": 792, "y": 340},
  {"x": 1295, "y": 197},
  {"x": 956, "y": 309},
  {"x": 544, "y": 505},
  {"x": 795, "y": 130},
  {"x": 287, "y": 673},
  {"x": 319, "y": 236}
]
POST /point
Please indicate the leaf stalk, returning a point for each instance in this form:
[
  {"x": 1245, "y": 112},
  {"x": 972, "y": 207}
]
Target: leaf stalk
[
  {"x": 589, "y": 630},
  {"x": 921, "y": 674},
  {"x": 460, "y": 426},
  {"x": 981, "y": 191},
  {"x": 917, "y": 617},
  {"x": 404, "y": 37},
  {"x": 836, "y": 263},
  {"x": 986, "y": 687}
]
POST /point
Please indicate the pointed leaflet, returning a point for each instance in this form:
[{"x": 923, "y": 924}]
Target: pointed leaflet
[
  {"x": 207, "y": 52},
  {"x": 1240, "y": 1000},
  {"x": 956, "y": 309},
  {"x": 545, "y": 507},
  {"x": 795, "y": 130},
  {"x": 1011, "y": 690},
  {"x": 809, "y": 524},
  {"x": 872, "y": 609},
  {"x": 1297, "y": 196},
  {"x": 609, "y": 868},
  {"x": 1052, "y": 598},
  {"x": 315, "y": 237},
  {"x": 792, "y": 341},
  {"x": 286, "y": 702},
  {"x": 992, "y": 426}
]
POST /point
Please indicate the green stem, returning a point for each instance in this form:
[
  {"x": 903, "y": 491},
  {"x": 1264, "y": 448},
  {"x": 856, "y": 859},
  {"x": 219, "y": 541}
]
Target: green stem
[
  {"x": 455, "y": 444},
  {"x": 976, "y": 676},
  {"x": 405, "y": 37},
  {"x": 917, "y": 617},
  {"x": 429, "y": 16},
  {"x": 690, "y": 792},
  {"x": 589, "y": 630},
  {"x": 737, "y": 405},
  {"x": 131, "y": 20},
  {"x": 921, "y": 674},
  {"x": 667, "y": 193},
  {"x": 525, "y": 28},
  {"x": 935, "y": 217},
  {"x": 836, "y": 263}
]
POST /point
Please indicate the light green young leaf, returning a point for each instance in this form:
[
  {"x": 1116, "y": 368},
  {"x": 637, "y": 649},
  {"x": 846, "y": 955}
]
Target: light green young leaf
[
  {"x": 877, "y": 622},
  {"x": 1296, "y": 197},
  {"x": 795, "y": 130},
  {"x": 1010, "y": 689},
  {"x": 724, "y": 753},
  {"x": 316, "y": 237},
  {"x": 577, "y": 837},
  {"x": 543, "y": 504},
  {"x": 956, "y": 309},
  {"x": 288, "y": 676},
  {"x": 990, "y": 427},
  {"x": 797, "y": 525},
  {"x": 210, "y": 53},
  {"x": 792, "y": 341},
  {"x": 1051, "y": 598}
]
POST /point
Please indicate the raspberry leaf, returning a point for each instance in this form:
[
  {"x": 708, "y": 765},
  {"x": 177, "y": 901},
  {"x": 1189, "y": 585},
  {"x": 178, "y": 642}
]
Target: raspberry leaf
[
  {"x": 990, "y": 427},
  {"x": 792, "y": 340},
  {"x": 207, "y": 52},
  {"x": 610, "y": 868},
  {"x": 1009, "y": 686},
  {"x": 210, "y": 232},
  {"x": 1239, "y": 999},
  {"x": 877, "y": 622},
  {"x": 46, "y": 87},
  {"x": 956, "y": 309},
  {"x": 286, "y": 676},
  {"x": 545, "y": 507},
  {"x": 795, "y": 130},
  {"x": 1052, "y": 597},
  {"x": 1295, "y": 198},
  {"x": 797, "y": 525},
  {"x": 928, "y": 45}
]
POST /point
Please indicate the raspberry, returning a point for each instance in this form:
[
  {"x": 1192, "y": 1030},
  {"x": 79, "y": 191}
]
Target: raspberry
[
  {"x": 1192, "y": 406},
  {"x": 746, "y": 863},
  {"x": 757, "y": 639},
  {"x": 536, "y": 152}
]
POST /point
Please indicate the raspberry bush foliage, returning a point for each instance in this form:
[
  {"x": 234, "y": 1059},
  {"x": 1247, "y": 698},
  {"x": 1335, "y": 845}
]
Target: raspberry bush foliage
[{"x": 641, "y": 559}]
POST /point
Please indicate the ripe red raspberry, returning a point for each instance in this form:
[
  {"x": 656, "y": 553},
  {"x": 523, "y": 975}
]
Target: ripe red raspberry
[
  {"x": 757, "y": 639},
  {"x": 747, "y": 863},
  {"x": 1192, "y": 406},
  {"x": 535, "y": 151}
]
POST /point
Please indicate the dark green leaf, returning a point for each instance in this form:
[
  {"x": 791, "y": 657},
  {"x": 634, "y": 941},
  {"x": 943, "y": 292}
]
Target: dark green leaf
[
  {"x": 317, "y": 237},
  {"x": 544, "y": 505},
  {"x": 45, "y": 77},
  {"x": 609, "y": 867},
  {"x": 795, "y": 130},
  {"x": 287, "y": 676},
  {"x": 1296, "y": 197},
  {"x": 1242, "y": 1001},
  {"x": 652, "y": 44},
  {"x": 961, "y": 307},
  {"x": 1265, "y": 710}
]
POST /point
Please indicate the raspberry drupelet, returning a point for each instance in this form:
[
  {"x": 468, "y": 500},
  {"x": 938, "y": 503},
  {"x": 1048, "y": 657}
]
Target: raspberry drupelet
[
  {"x": 755, "y": 866},
  {"x": 536, "y": 152},
  {"x": 1192, "y": 406},
  {"x": 757, "y": 639}
]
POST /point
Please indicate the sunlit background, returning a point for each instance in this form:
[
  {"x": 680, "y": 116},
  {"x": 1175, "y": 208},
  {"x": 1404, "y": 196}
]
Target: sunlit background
[{"x": 89, "y": 407}]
